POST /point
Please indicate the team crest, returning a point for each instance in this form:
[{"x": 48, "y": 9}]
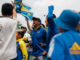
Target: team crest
[
  {"x": 75, "y": 49},
  {"x": 38, "y": 32}
]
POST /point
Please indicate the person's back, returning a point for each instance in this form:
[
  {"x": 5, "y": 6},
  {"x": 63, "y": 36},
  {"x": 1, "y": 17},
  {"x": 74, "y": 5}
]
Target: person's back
[
  {"x": 7, "y": 38},
  {"x": 72, "y": 42},
  {"x": 8, "y": 32},
  {"x": 68, "y": 47},
  {"x": 65, "y": 46}
]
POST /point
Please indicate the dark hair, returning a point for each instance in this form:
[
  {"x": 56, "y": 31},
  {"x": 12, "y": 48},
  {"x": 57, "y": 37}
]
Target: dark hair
[
  {"x": 21, "y": 33},
  {"x": 54, "y": 16},
  {"x": 7, "y": 9},
  {"x": 43, "y": 25},
  {"x": 22, "y": 27},
  {"x": 35, "y": 18}
]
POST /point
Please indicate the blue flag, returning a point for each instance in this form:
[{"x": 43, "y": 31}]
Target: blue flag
[{"x": 23, "y": 9}]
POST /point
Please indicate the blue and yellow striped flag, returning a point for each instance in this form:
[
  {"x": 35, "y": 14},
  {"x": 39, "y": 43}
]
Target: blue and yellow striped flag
[{"x": 23, "y": 9}]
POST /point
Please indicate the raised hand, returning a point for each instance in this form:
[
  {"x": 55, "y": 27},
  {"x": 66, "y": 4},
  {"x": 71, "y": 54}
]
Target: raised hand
[{"x": 50, "y": 9}]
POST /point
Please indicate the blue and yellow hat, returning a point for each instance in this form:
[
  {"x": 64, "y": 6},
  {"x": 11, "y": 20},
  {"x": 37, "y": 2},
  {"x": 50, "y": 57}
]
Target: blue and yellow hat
[{"x": 68, "y": 20}]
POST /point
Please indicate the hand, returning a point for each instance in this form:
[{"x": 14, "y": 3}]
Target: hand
[
  {"x": 44, "y": 52},
  {"x": 29, "y": 46},
  {"x": 42, "y": 45},
  {"x": 51, "y": 8},
  {"x": 14, "y": 10}
]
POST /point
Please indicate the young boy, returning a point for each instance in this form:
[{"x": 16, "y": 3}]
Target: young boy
[
  {"x": 21, "y": 46},
  {"x": 66, "y": 45}
]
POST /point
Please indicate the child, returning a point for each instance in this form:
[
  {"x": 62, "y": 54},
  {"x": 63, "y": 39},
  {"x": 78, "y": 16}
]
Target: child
[
  {"x": 66, "y": 45},
  {"x": 21, "y": 46}
]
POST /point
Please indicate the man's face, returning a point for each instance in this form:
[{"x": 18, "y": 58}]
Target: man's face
[
  {"x": 36, "y": 23},
  {"x": 46, "y": 22}
]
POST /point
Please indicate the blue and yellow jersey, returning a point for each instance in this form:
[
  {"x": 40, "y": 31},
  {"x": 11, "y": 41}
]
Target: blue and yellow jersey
[{"x": 21, "y": 50}]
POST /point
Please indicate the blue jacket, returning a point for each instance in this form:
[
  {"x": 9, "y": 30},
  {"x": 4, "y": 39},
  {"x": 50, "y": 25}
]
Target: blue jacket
[
  {"x": 52, "y": 29},
  {"x": 38, "y": 37},
  {"x": 65, "y": 46}
]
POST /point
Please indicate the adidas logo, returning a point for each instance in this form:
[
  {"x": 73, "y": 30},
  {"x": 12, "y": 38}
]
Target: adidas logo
[{"x": 75, "y": 49}]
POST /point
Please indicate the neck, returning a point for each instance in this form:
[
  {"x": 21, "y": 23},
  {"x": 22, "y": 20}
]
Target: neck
[
  {"x": 37, "y": 27},
  {"x": 7, "y": 15}
]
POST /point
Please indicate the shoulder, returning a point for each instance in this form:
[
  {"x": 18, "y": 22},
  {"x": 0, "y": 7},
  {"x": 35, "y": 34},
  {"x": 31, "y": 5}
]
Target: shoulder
[
  {"x": 63, "y": 38},
  {"x": 32, "y": 30},
  {"x": 55, "y": 37},
  {"x": 42, "y": 29},
  {"x": 61, "y": 35},
  {"x": 58, "y": 38},
  {"x": 21, "y": 42},
  {"x": 8, "y": 20}
]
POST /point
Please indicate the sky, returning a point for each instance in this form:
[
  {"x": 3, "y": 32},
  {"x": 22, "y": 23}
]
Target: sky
[{"x": 40, "y": 7}]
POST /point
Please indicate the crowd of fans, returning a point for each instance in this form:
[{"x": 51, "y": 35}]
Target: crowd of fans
[{"x": 60, "y": 42}]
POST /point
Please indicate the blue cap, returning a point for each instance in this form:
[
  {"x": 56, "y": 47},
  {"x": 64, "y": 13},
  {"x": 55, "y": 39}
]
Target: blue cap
[{"x": 68, "y": 20}]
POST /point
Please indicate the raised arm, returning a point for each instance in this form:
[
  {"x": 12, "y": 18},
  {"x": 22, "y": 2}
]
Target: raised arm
[
  {"x": 14, "y": 11},
  {"x": 28, "y": 25},
  {"x": 50, "y": 17}
]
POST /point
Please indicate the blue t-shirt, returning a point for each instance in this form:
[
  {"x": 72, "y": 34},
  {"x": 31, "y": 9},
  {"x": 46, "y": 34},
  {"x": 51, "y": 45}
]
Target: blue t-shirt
[
  {"x": 65, "y": 46},
  {"x": 38, "y": 37}
]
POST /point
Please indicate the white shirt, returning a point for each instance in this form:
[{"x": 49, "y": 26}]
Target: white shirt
[
  {"x": 29, "y": 39},
  {"x": 7, "y": 38}
]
